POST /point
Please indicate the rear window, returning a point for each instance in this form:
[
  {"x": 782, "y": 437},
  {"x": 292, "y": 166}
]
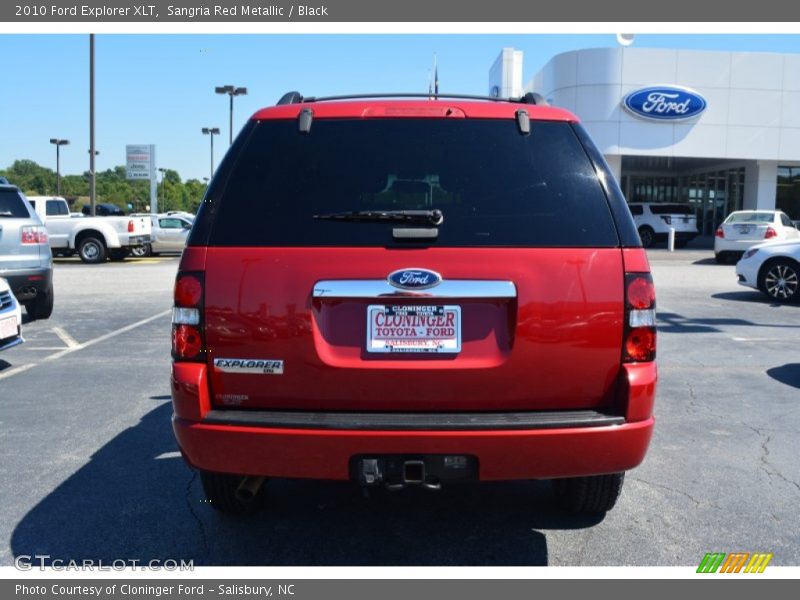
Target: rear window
[
  {"x": 494, "y": 186},
  {"x": 671, "y": 209},
  {"x": 751, "y": 217},
  {"x": 12, "y": 205},
  {"x": 56, "y": 208}
]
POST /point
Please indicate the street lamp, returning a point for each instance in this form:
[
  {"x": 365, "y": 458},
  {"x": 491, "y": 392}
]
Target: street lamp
[
  {"x": 58, "y": 143},
  {"x": 163, "y": 197},
  {"x": 211, "y": 131},
  {"x": 232, "y": 91}
]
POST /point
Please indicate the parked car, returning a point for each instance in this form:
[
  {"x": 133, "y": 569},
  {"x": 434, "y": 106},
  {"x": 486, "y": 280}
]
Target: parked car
[
  {"x": 168, "y": 234},
  {"x": 401, "y": 292},
  {"x": 93, "y": 238},
  {"x": 181, "y": 213},
  {"x": 654, "y": 220},
  {"x": 773, "y": 268},
  {"x": 10, "y": 318},
  {"x": 25, "y": 258},
  {"x": 745, "y": 228},
  {"x": 103, "y": 209}
]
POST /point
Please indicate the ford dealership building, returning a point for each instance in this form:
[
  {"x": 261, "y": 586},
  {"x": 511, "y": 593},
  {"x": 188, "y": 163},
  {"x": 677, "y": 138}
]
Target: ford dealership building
[{"x": 717, "y": 130}]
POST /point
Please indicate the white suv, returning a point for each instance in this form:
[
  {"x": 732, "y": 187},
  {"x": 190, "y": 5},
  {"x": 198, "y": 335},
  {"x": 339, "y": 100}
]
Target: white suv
[{"x": 653, "y": 220}]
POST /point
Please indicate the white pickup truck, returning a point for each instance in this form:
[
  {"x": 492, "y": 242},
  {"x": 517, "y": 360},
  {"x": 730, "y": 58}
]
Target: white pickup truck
[{"x": 93, "y": 238}]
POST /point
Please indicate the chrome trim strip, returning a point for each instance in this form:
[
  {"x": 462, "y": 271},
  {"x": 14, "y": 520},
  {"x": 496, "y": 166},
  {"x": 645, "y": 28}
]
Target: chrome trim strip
[{"x": 380, "y": 288}]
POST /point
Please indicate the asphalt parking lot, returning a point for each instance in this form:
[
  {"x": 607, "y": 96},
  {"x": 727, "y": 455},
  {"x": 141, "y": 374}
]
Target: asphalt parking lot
[{"x": 90, "y": 468}]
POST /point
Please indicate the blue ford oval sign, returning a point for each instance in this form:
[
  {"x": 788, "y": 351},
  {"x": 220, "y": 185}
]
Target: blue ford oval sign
[
  {"x": 665, "y": 103},
  {"x": 414, "y": 279}
]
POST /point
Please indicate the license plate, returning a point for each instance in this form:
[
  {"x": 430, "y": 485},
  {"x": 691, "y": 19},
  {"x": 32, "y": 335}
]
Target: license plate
[
  {"x": 743, "y": 229},
  {"x": 8, "y": 328},
  {"x": 413, "y": 329}
]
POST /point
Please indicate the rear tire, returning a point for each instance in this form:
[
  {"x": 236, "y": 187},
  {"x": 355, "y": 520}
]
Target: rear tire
[
  {"x": 220, "y": 491},
  {"x": 595, "y": 494},
  {"x": 776, "y": 271},
  {"x": 648, "y": 236},
  {"x": 140, "y": 251},
  {"x": 41, "y": 307},
  {"x": 92, "y": 250}
]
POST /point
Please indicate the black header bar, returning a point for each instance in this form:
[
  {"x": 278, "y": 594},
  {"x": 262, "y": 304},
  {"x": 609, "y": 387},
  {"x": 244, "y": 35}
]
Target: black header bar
[{"x": 439, "y": 11}]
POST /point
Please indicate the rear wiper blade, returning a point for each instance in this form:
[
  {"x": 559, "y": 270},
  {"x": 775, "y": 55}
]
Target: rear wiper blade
[
  {"x": 6, "y": 213},
  {"x": 433, "y": 217}
]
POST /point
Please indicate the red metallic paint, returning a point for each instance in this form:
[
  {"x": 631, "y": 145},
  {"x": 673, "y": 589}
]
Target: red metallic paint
[
  {"x": 415, "y": 109},
  {"x": 502, "y": 455},
  {"x": 557, "y": 346},
  {"x": 639, "y": 389}
]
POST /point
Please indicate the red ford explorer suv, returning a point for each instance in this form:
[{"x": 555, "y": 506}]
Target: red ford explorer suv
[{"x": 400, "y": 291}]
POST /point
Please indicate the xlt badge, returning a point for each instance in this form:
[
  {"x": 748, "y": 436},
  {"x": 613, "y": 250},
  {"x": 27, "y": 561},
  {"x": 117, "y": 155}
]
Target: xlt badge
[{"x": 254, "y": 366}]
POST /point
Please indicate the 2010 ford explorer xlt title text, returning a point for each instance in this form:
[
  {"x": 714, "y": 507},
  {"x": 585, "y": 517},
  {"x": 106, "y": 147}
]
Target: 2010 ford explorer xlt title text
[{"x": 413, "y": 292}]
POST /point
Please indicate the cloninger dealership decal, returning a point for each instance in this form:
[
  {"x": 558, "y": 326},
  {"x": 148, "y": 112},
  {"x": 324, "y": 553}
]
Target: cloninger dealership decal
[{"x": 249, "y": 365}]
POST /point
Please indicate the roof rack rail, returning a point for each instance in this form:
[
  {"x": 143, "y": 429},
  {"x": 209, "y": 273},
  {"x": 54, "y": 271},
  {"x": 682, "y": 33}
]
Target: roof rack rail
[
  {"x": 291, "y": 98},
  {"x": 297, "y": 98}
]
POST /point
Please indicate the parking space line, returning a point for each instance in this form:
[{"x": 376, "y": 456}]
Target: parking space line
[
  {"x": 97, "y": 340},
  {"x": 68, "y": 340},
  {"x": 164, "y": 455},
  {"x": 29, "y": 347}
]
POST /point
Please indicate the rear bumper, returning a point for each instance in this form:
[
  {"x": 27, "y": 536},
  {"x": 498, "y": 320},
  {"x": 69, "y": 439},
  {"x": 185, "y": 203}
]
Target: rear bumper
[
  {"x": 27, "y": 283},
  {"x": 138, "y": 240},
  {"x": 211, "y": 442},
  {"x": 738, "y": 246}
]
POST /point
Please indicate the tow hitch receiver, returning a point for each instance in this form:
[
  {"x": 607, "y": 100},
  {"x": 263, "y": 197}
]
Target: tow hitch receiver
[{"x": 397, "y": 472}]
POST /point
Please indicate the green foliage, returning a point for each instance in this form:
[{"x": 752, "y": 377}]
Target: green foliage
[{"x": 111, "y": 185}]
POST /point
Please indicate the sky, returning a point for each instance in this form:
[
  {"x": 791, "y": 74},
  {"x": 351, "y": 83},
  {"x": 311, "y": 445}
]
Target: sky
[{"x": 159, "y": 89}]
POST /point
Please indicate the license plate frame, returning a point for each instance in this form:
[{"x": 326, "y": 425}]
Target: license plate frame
[
  {"x": 420, "y": 317},
  {"x": 9, "y": 327}
]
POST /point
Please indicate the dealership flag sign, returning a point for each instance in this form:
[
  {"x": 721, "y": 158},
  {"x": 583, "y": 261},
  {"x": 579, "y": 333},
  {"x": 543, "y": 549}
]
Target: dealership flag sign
[{"x": 140, "y": 161}]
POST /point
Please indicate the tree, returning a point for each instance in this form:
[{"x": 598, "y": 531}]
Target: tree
[{"x": 112, "y": 186}]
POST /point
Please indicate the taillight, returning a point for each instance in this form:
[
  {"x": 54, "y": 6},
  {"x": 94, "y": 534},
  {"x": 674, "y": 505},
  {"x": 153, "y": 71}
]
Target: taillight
[
  {"x": 770, "y": 233},
  {"x": 640, "y": 318},
  {"x": 130, "y": 226},
  {"x": 187, "y": 324},
  {"x": 33, "y": 234},
  {"x": 720, "y": 233}
]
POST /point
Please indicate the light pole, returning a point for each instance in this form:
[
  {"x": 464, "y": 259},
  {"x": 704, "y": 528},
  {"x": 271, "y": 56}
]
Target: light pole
[
  {"x": 163, "y": 198},
  {"x": 232, "y": 91},
  {"x": 211, "y": 131},
  {"x": 92, "y": 173},
  {"x": 58, "y": 143}
]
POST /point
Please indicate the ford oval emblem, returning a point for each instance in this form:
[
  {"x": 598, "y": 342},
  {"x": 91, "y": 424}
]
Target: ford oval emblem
[
  {"x": 665, "y": 103},
  {"x": 414, "y": 279}
]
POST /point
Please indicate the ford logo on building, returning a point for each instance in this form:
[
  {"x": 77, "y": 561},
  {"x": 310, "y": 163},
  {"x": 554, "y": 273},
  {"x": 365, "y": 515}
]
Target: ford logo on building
[
  {"x": 414, "y": 279},
  {"x": 665, "y": 103}
]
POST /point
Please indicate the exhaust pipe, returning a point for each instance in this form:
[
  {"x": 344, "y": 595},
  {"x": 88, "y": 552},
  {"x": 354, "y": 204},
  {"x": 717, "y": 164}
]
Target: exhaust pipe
[{"x": 248, "y": 489}]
